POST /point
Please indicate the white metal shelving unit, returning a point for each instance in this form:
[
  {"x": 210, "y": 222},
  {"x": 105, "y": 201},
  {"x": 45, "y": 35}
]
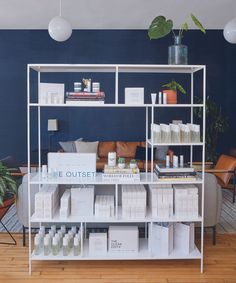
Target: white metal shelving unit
[{"x": 146, "y": 178}]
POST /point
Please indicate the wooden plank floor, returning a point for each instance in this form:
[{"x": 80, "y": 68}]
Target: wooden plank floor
[{"x": 219, "y": 267}]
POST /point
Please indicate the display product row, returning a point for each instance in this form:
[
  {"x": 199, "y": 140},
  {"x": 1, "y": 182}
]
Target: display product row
[{"x": 175, "y": 133}]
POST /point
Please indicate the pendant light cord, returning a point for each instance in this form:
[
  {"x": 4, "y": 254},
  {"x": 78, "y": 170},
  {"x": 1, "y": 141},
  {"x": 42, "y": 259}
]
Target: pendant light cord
[{"x": 60, "y": 9}]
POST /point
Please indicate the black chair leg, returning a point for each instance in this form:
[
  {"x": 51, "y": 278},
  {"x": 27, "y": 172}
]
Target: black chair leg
[
  {"x": 234, "y": 185},
  {"x": 24, "y": 235},
  {"x": 214, "y": 235},
  {"x": 11, "y": 243}
]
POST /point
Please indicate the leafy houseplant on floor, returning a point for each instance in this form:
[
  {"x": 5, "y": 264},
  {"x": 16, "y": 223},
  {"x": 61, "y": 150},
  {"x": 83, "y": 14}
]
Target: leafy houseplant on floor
[
  {"x": 216, "y": 124},
  {"x": 171, "y": 89},
  {"x": 8, "y": 189},
  {"x": 177, "y": 53}
]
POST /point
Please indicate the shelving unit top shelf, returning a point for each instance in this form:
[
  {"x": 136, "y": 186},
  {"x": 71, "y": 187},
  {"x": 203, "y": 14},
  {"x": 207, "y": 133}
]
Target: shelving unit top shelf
[{"x": 109, "y": 68}]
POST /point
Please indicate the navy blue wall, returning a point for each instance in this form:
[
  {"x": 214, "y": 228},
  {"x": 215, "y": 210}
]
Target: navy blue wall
[{"x": 18, "y": 48}]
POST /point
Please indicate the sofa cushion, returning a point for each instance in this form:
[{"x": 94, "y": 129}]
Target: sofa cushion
[
  {"x": 126, "y": 149},
  {"x": 141, "y": 153},
  {"x": 105, "y": 147},
  {"x": 69, "y": 146},
  {"x": 86, "y": 147}
]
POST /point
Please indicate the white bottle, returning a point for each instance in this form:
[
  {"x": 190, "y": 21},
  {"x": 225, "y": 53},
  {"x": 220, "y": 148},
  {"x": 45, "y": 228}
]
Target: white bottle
[
  {"x": 167, "y": 161},
  {"x": 44, "y": 171},
  {"x": 55, "y": 246},
  {"x": 47, "y": 245},
  {"x": 160, "y": 98},
  {"x": 181, "y": 161},
  {"x": 77, "y": 248},
  {"x": 153, "y": 97},
  {"x": 164, "y": 98},
  {"x": 37, "y": 245},
  {"x": 65, "y": 247},
  {"x": 175, "y": 161}
]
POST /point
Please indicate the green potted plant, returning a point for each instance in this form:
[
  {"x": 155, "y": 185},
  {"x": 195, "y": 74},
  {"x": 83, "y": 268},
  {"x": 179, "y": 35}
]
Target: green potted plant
[
  {"x": 121, "y": 162},
  {"x": 171, "y": 89},
  {"x": 216, "y": 125},
  {"x": 8, "y": 189},
  {"x": 160, "y": 27},
  {"x": 133, "y": 164}
]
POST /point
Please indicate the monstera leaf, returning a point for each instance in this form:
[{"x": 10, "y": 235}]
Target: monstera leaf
[{"x": 160, "y": 27}]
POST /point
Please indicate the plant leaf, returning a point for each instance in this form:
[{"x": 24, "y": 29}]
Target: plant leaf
[
  {"x": 198, "y": 24},
  {"x": 180, "y": 88},
  {"x": 159, "y": 27},
  {"x": 184, "y": 26}
]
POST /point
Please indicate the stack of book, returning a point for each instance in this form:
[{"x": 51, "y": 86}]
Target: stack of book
[
  {"x": 85, "y": 98},
  {"x": 117, "y": 174},
  {"x": 169, "y": 174}
]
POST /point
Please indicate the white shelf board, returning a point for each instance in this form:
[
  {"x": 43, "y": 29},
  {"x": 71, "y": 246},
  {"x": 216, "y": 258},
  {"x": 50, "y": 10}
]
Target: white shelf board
[
  {"x": 117, "y": 105},
  {"x": 135, "y": 68},
  {"x": 36, "y": 178},
  {"x": 142, "y": 254},
  {"x": 145, "y": 178},
  {"x": 119, "y": 219},
  {"x": 176, "y": 144}
]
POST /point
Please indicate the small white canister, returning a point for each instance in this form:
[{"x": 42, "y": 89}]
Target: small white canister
[{"x": 111, "y": 159}]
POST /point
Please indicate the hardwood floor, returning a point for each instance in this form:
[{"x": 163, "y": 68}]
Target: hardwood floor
[{"x": 219, "y": 267}]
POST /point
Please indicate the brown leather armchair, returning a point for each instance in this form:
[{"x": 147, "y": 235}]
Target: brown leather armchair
[{"x": 225, "y": 172}]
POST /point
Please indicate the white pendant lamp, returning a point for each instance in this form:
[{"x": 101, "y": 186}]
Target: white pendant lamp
[
  {"x": 230, "y": 31},
  {"x": 59, "y": 29}
]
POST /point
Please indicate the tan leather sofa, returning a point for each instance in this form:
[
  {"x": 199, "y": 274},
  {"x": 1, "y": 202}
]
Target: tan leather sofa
[{"x": 122, "y": 149}]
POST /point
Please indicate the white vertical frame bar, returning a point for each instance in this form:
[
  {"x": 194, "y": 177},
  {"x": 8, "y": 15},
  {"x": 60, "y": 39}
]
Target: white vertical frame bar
[
  {"x": 39, "y": 125},
  {"x": 116, "y": 85},
  {"x": 146, "y": 154},
  {"x": 203, "y": 165},
  {"x": 116, "y": 200},
  {"x": 82, "y": 238},
  {"x": 192, "y": 93},
  {"x": 28, "y": 163},
  {"x": 152, "y": 121}
]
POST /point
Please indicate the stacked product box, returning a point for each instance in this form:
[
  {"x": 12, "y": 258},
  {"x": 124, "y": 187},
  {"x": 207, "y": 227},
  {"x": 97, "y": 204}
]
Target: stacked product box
[
  {"x": 47, "y": 201},
  {"x": 134, "y": 199},
  {"x": 123, "y": 239},
  {"x": 65, "y": 204},
  {"x": 82, "y": 200},
  {"x": 160, "y": 239},
  {"x": 186, "y": 200},
  {"x": 104, "y": 206},
  {"x": 161, "y": 200},
  {"x": 97, "y": 243},
  {"x": 184, "y": 237}
]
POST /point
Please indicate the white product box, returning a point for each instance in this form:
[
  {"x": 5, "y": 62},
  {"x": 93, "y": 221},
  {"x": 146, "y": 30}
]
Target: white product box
[
  {"x": 123, "y": 239},
  {"x": 105, "y": 206},
  {"x": 50, "y": 93},
  {"x": 97, "y": 243},
  {"x": 73, "y": 165},
  {"x": 82, "y": 201},
  {"x": 134, "y": 95},
  {"x": 65, "y": 202},
  {"x": 184, "y": 237},
  {"x": 161, "y": 238}
]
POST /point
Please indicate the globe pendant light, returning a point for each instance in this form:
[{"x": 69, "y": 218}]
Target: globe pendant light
[
  {"x": 59, "y": 29},
  {"x": 230, "y": 31}
]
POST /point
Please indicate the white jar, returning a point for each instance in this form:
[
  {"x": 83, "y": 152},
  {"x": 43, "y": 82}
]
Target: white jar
[{"x": 111, "y": 159}]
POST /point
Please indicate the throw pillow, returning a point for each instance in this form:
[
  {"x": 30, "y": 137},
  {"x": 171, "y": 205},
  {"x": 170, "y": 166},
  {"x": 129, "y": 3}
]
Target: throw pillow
[
  {"x": 141, "y": 153},
  {"x": 160, "y": 153},
  {"x": 69, "y": 146},
  {"x": 86, "y": 147}
]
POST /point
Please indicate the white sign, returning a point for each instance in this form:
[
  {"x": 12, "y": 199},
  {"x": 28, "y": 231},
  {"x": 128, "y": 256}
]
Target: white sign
[
  {"x": 72, "y": 165},
  {"x": 134, "y": 95},
  {"x": 50, "y": 93}
]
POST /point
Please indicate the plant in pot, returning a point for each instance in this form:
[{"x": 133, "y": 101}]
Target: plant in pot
[
  {"x": 121, "y": 162},
  {"x": 171, "y": 89},
  {"x": 8, "y": 189},
  {"x": 133, "y": 164},
  {"x": 216, "y": 125},
  {"x": 177, "y": 53}
]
